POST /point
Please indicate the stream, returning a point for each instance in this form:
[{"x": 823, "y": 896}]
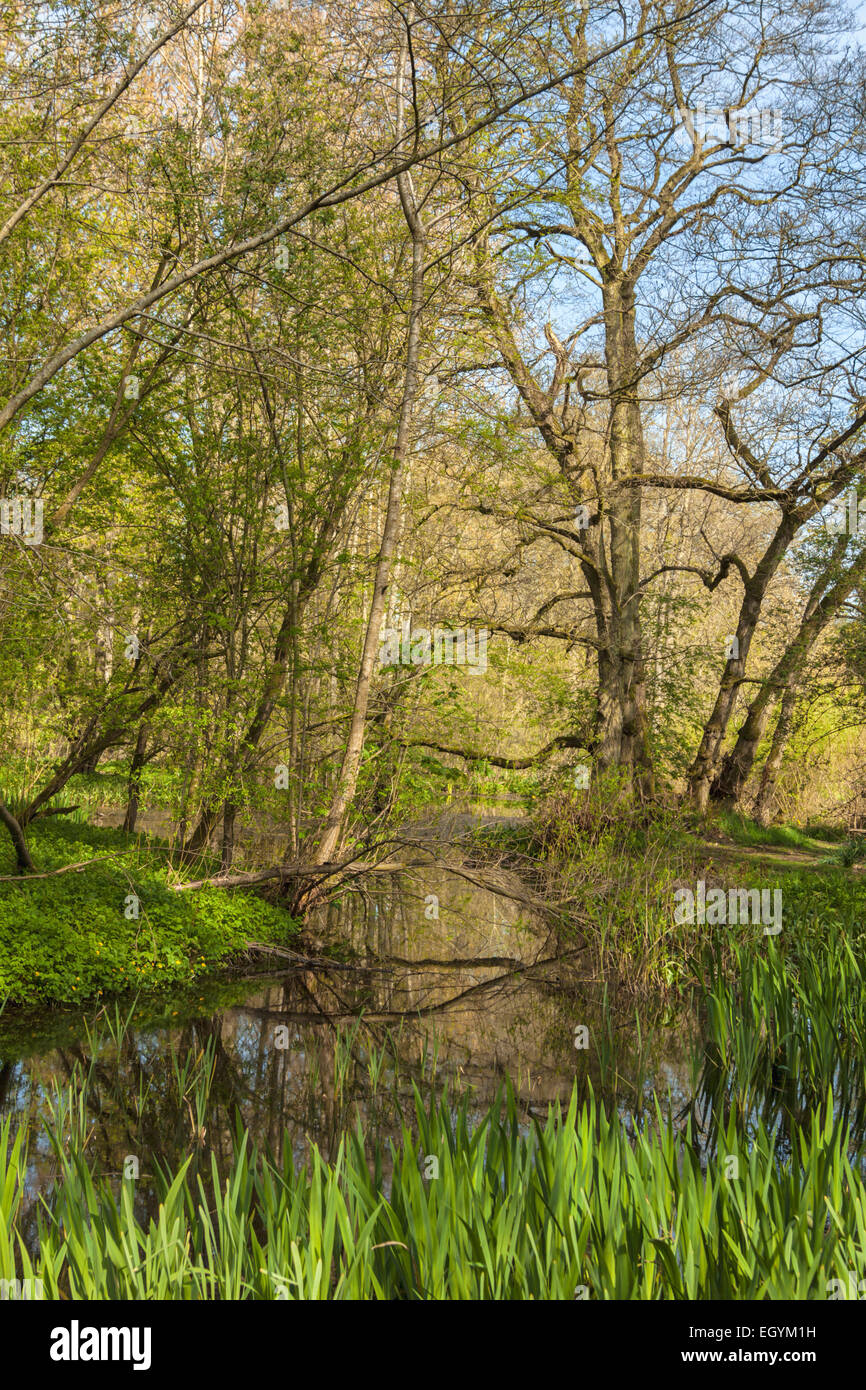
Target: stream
[
  {"x": 300, "y": 1054},
  {"x": 291, "y": 1048}
]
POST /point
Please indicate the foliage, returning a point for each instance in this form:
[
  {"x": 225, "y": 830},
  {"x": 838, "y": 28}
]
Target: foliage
[{"x": 67, "y": 938}]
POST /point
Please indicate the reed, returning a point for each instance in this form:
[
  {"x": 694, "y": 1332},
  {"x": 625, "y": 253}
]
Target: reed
[
  {"x": 786, "y": 1031},
  {"x": 511, "y": 1209}
]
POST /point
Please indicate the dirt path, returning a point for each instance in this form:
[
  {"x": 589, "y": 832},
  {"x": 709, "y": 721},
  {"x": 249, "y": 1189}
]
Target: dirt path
[{"x": 773, "y": 856}]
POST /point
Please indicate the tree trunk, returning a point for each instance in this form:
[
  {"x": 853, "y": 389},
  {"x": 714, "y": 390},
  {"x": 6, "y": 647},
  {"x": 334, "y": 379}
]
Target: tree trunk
[
  {"x": 703, "y": 768},
  {"x": 22, "y": 854},
  {"x": 625, "y": 737},
  {"x": 285, "y": 657},
  {"x": 204, "y": 828},
  {"x": 228, "y": 845},
  {"x": 348, "y": 776},
  {"x": 134, "y": 783},
  {"x": 763, "y": 808},
  {"x": 821, "y": 607}
]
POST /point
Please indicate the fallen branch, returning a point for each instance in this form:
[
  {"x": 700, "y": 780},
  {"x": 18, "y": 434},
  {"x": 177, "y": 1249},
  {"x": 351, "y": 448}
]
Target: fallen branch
[
  {"x": 322, "y": 962},
  {"x": 282, "y": 872},
  {"x": 495, "y": 759},
  {"x": 53, "y": 873},
  {"x": 349, "y": 868}
]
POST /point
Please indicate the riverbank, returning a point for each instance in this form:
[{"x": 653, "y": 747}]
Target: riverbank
[
  {"x": 100, "y": 920},
  {"x": 69, "y": 935}
]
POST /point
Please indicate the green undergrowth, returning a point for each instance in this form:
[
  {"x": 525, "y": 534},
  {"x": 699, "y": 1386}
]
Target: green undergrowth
[
  {"x": 75, "y": 936},
  {"x": 107, "y": 785},
  {"x": 615, "y": 866}
]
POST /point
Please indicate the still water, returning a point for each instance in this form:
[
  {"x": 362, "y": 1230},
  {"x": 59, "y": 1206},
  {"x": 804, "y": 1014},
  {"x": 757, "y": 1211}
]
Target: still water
[{"x": 442, "y": 981}]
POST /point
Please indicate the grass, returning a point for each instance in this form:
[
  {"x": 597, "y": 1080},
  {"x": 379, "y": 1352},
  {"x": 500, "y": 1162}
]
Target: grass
[
  {"x": 615, "y": 867},
  {"x": 744, "y": 831},
  {"x": 850, "y": 852}
]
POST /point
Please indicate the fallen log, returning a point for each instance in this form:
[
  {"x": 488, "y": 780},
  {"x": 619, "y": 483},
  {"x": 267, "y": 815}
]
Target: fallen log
[
  {"x": 285, "y": 872},
  {"x": 281, "y": 872}
]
